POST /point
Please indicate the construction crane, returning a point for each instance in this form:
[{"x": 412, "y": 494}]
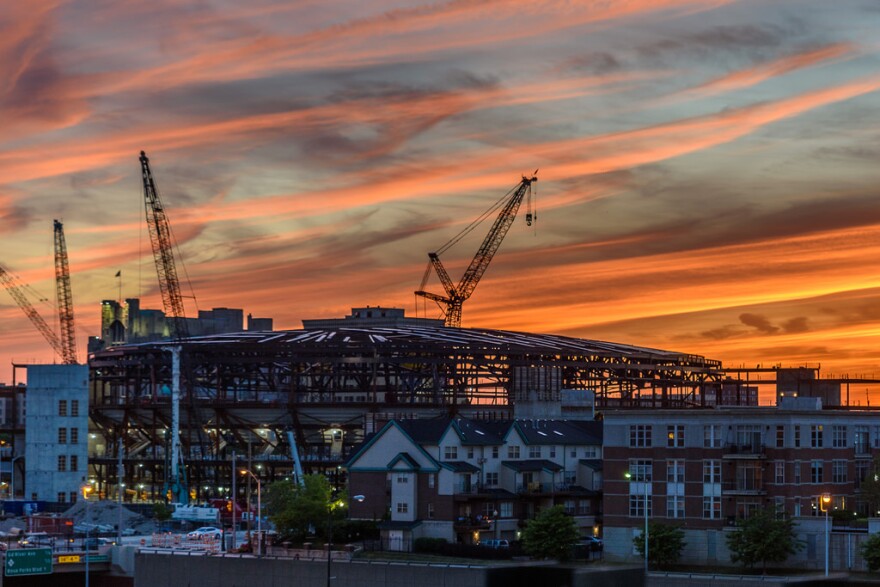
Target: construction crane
[
  {"x": 15, "y": 290},
  {"x": 65, "y": 300},
  {"x": 456, "y": 295},
  {"x": 163, "y": 253}
]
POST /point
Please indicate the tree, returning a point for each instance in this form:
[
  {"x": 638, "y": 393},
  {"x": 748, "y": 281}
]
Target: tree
[
  {"x": 294, "y": 509},
  {"x": 552, "y": 534},
  {"x": 870, "y": 488},
  {"x": 764, "y": 537},
  {"x": 871, "y": 551},
  {"x": 665, "y": 544}
]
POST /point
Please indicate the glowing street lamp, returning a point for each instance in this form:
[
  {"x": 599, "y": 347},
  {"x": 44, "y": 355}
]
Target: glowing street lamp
[
  {"x": 259, "y": 513},
  {"x": 825, "y": 505},
  {"x": 86, "y": 490}
]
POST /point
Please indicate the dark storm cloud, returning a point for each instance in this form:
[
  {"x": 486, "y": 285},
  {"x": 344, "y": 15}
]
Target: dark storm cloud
[
  {"x": 758, "y": 322},
  {"x": 796, "y": 325}
]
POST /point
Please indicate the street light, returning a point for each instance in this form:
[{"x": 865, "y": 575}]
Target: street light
[
  {"x": 628, "y": 476},
  {"x": 86, "y": 490},
  {"x": 259, "y": 513},
  {"x": 358, "y": 498},
  {"x": 825, "y": 505}
]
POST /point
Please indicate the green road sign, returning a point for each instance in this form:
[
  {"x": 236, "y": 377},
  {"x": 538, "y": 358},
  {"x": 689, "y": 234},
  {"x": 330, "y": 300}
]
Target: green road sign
[{"x": 28, "y": 561}]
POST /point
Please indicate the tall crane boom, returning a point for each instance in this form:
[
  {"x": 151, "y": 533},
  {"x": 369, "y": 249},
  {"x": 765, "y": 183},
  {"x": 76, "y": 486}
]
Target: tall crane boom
[
  {"x": 457, "y": 295},
  {"x": 15, "y": 291},
  {"x": 163, "y": 253},
  {"x": 65, "y": 299}
]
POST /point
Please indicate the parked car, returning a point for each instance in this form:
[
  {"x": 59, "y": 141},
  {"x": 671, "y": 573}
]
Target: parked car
[
  {"x": 593, "y": 543},
  {"x": 96, "y": 543},
  {"x": 205, "y": 532},
  {"x": 495, "y": 543}
]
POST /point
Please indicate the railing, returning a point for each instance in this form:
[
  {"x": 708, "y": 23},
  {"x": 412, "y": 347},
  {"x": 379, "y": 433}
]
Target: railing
[
  {"x": 743, "y": 486},
  {"x": 745, "y": 449}
]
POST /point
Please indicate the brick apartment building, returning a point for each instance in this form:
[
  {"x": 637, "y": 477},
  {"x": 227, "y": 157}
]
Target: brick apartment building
[{"x": 703, "y": 469}]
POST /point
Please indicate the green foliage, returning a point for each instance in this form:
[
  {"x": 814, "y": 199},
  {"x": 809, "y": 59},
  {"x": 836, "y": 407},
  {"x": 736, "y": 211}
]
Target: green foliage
[
  {"x": 161, "y": 511},
  {"x": 294, "y": 509},
  {"x": 871, "y": 551},
  {"x": 552, "y": 534},
  {"x": 665, "y": 544},
  {"x": 870, "y": 488},
  {"x": 763, "y": 538}
]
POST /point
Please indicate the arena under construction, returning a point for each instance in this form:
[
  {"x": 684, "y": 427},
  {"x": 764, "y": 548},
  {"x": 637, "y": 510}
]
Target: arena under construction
[{"x": 320, "y": 390}]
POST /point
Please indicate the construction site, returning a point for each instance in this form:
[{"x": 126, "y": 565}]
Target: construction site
[{"x": 170, "y": 418}]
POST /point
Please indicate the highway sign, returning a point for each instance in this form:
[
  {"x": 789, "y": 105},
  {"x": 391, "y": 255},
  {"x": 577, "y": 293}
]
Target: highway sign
[{"x": 28, "y": 561}]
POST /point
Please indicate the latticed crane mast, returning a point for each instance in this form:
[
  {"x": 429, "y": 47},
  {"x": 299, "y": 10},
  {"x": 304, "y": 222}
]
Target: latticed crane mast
[
  {"x": 14, "y": 289},
  {"x": 65, "y": 299},
  {"x": 457, "y": 294},
  {"x": 163, "y": 253}
]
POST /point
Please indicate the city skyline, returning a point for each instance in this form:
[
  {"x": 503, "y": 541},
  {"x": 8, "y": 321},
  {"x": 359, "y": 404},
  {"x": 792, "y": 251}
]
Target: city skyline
[{"x": 706, "y": 169}]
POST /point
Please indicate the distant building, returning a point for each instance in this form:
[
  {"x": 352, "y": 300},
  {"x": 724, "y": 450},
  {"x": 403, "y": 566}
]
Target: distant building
[
  {"x": 12, "y": 427},
  {"x": 127, "y": 322},
  {"x": 57, "y": 433},
  {"x": 372, "y": 317},
  {"x": 258, "y": 324}
]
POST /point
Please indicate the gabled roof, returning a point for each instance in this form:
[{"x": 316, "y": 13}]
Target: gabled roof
[
  {"x": 460, "y": 466},
  {"x": 375, "y": 437},
  {"x": 409, "y": 463},
  {"x": 533, "y": 465},
  {"x": 560, "y": 432},
  {"x": 476, "y": 433},
  {"x": 424, "y": 431}
]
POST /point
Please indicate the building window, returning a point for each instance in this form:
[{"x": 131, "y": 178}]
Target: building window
[
  {"x": 675, "y": 436},
  {"x": 470, "y": 452},
  {"x": 797, "y": 436},
  {"x": 431, "y": 481},
  {"x": 513, "y": 451},
  {"x": 450, "y": 453},
  {"x": 780, "y": 436},
  {"x": 402, "y": 507},
  {"x": 779, "y": 472},
  {"x": 712, "y": 471},
  {"x": 797, "y": 472},
  {"x": 640, "y": 435},
  {"x": 675, "y": 506},
  {"x": 838, "y": 471},
  {"x": 491, "y": 479},
  {"x": 675, "y": 471},
  {"x": 570, "y": 507},
  {"x": 62, "y": 436},
  {"x": 489, "y": 510},
  {"x": 816, "y": 435},
  {"x": 838, "y": 436},
  {"x": 584, "y": 507},
  {"x": 797, "y": 508},
  {"x": 863, "y": 467},
  {"x": 74, "y": 463},
  {"x": 573, "y": 453},
  {"x": 712, "y": 507},
  {"x": 74, "y": 407},
  {"x": 402, "y": 479},
  {"x": 552, "y": 452},
  {"x": 494, "y": 452},
  {"x": 74, "y": 436},
  {"x": 62, "y": 407},
  {"x": 73, "y": 495},
  {"x": 816, "y": 472},
  {"x": 637, "y": 505},
  {"x": 712, "y": 436},
  {"x": 62, "y": 497},
  {"x": 62, "y": 463},
  {"x": 876, "y": 436},
  {"x": 569, "y": 477},
  {"x": 591, "y": 452},
  {"x": 534, "y": 452},
  {"x": 507, "y": 509},
  {"x": 431, "y": 512},
  {"x": 640, "y": 471},
  {"x": 861, "y": 440}
]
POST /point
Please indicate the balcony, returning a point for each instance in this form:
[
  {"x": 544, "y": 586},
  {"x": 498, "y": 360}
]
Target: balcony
[
  {"x": 471, "y": 523},
  {"x": 748, "y": 450},
  {"x": 743, "y": 487},
  {"x": 535, "y": 488}
]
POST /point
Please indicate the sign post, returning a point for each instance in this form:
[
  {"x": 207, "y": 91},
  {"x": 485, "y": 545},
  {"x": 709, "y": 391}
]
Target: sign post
[{"x": 28, "y": 561}]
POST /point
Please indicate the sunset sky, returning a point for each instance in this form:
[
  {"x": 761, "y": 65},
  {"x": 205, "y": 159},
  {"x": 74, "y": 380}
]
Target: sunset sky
[{"x": 708, "y": 170}]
